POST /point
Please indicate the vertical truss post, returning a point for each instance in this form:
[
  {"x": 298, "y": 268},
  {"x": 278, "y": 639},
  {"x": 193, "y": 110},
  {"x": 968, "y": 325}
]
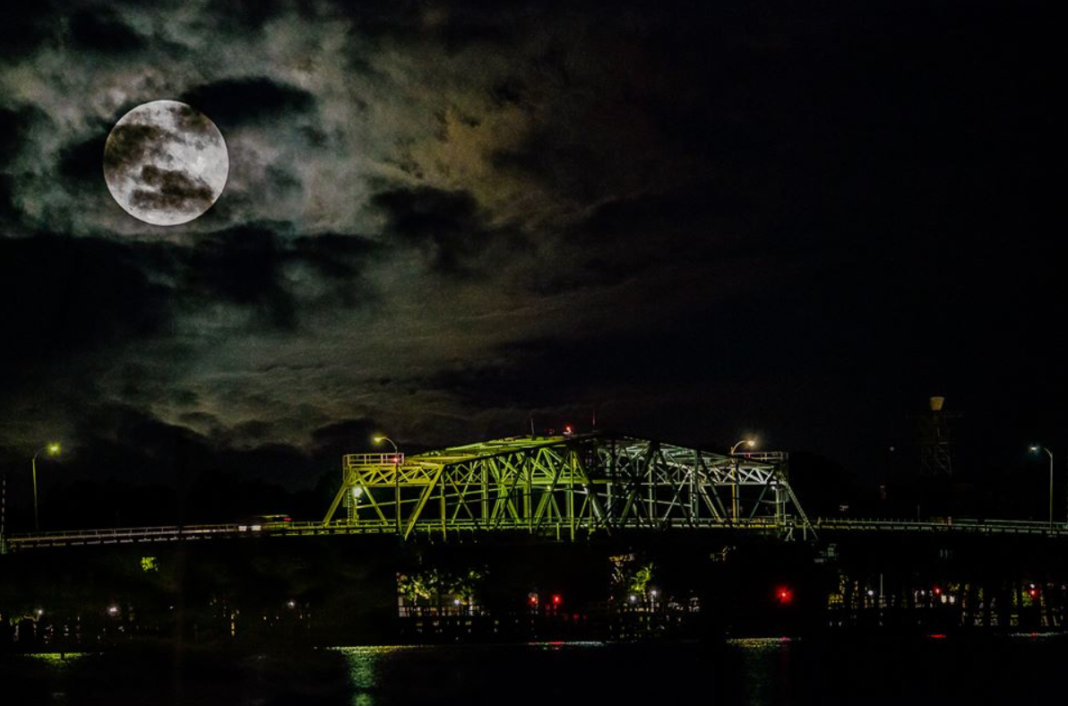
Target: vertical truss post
[
  {"x": 397, "y": 488},
  {"x": 734, "y": 491}
]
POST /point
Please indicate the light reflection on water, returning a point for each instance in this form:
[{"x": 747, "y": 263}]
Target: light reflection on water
[
  {"x": 765, "y": 663},
  {"x": 386, "y": 673},
  {"x": 58, "y": 660},
  {"x": 363, "y": 665},
  {"x": 763, "y": 644}
]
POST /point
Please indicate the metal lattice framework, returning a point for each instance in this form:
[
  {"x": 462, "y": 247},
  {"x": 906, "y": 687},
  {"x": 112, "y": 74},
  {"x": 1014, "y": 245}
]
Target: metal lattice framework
[{"x": 565, "y": 485}]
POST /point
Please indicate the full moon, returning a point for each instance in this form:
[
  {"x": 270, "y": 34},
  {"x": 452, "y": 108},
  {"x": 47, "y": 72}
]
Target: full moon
[{"x": 165, "y": 163}]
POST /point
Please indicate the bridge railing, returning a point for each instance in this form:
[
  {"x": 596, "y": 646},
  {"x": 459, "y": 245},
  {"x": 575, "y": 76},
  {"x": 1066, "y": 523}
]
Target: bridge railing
[
  {"x": 764, "y": 456},
  {"x": 943, "y": 524},
  {"x": 119, "y": 535},
  {"x": 381, "y": 459}
]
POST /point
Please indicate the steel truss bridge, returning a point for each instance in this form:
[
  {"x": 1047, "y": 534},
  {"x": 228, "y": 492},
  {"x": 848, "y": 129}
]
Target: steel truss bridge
[{"x": 564, "y": 487}]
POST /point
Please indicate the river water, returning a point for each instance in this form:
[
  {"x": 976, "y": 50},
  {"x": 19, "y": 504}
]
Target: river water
[{"x": 837, "y": 670}]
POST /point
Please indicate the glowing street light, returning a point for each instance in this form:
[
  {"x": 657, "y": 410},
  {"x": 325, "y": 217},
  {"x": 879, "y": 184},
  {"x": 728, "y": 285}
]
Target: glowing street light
[
  {"x": 379, "y": 439},
  {"x": 53, "y": 450},
  {"x": 749, "y": 442},
  {"x": 396, "y": 473},
  {"x": 1036, "y": 449}
]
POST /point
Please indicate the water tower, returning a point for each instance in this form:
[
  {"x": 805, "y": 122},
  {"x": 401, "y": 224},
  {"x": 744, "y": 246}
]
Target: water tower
[{"x": 936, "y": 458}]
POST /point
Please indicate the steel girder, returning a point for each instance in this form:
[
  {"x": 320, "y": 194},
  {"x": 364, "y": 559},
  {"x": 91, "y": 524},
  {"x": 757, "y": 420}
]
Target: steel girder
[{"x": 566, "y": 485}]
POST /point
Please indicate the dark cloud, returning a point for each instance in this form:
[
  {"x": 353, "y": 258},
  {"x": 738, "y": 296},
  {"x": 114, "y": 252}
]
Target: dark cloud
[
  {"x": 243, "y": 15},
  {"x": 13, "y": 125},
  {"x": 458, "y": 25},
  {"x": 584, "y": 369},
  {"x": 192, "y": 124},
  {"x": 7, "y": 204},
  {"x": 330, "y": 442},
  {"x": 126, "y": 443},
  {"x": 242, "y": 266},
  {"x": 246, "y": 266},
  {"x": 175, "y": 190},
  {"x": 130, "y": 144},
  {"x": 234, "y": 102},
  {"x": 14, "y": 129},
  {"x": 75, "y": 294},
  {"x": 25, "y": 27},
  {"x": 686, "y": 228},
  {"x": 278, "y": 463},
  {"x": 81, "y": 163},
  {"x": 101, "y": 30},
  {"x": 89, "y": 297},
  {"x": 334, "y": 255},
  {"x": 446, "y": 226}
]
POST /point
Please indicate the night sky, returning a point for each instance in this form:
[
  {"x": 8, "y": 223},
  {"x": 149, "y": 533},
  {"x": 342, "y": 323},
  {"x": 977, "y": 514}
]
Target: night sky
[{"x": 698, "y": 221}]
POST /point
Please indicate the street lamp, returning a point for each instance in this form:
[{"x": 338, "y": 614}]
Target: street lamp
[
  {"x": 379, "y": 439},
  {"x": 53, "y": 449},
  {"x": 1035, "y": 449},
  {"x": 750, "y": 442},
  {"x": 734, "y": 472},
  {"x": 396, "y": 474}
]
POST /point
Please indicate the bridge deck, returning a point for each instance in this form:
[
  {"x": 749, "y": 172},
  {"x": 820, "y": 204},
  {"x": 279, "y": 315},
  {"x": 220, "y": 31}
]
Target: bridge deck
[{"x": 138, "y": 535}]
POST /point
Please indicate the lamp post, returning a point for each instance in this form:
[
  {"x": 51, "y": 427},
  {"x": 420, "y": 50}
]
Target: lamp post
[
  {"x": 750, "y": 442},
  {"x": 53, "y": 449},
  {"x": 396, "y": 474},
  {"x": 734, "y": 468},
  {"x": 1036, "y": 449}
]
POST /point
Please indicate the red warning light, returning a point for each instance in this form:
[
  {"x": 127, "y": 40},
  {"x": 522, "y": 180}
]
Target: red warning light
[
  {"x": 937, "y": 590},
  {"x": 784, "y": 595},
  {"x": 557, "y": 600}
]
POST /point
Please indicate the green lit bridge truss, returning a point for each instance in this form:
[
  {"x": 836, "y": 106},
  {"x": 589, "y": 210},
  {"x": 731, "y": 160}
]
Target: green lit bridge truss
[{"x": 565, "y": 486}]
